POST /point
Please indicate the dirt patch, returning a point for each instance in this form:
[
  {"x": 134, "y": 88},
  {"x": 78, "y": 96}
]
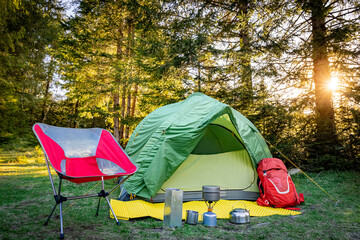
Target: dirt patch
[
  {"x": 226, "y": 229},
  {"x": 26, "y": 203},
  {"x": 314, "y": 207},
  {"x": 354, "y": 235},
  {"x": 157, "y": 229}
]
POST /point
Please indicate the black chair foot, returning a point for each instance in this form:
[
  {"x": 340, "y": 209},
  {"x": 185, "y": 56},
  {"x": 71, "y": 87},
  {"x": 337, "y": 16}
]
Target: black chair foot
[
  {"x": 45, "y": 224},
  {"x": 62, "y": 236},
  {"x": 118, "y": 223}
]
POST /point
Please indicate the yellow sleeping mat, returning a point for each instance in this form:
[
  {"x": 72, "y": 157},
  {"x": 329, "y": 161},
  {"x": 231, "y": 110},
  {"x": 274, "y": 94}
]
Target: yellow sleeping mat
[{"x": 138, "y": 208}]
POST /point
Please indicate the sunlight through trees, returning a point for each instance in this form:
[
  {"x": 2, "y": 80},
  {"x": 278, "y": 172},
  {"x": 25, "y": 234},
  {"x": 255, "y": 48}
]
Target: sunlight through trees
[{"x": 291, "y": 67}]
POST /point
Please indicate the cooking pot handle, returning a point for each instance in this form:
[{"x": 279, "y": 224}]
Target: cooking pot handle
[{"x": 237, "y": 202}]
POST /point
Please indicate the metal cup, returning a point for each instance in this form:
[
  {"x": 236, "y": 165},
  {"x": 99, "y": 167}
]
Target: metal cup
[{"x": 192, "y": 217}]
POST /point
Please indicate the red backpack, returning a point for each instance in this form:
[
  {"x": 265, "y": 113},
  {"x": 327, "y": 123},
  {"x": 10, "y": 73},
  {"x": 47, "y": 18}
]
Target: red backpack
[{"x": 275, "y": 185}]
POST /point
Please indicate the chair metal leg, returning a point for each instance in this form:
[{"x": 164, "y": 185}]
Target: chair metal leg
[
  {"x": 117, "y": 221},
  {"x": 97, "y": 211},
  {"x": 59, "y": 201},
  {"x": 49, "y": 172},
  {"x": 61, "y": 223},
  {"x": 53, "y": 188},
  {"x": 47, "y": 221},
  {"x": 107, "y": 199}
]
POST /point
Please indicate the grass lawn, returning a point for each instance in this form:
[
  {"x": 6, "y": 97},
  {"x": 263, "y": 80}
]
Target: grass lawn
[{"x": 26, "y": 200}]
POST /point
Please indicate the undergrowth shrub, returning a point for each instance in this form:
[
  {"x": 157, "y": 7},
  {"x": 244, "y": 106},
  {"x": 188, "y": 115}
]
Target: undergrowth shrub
[{"x": 31, "y": 156}]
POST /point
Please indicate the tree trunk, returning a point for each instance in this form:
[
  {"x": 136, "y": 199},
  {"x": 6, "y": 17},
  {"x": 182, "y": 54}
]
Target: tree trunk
[
  {"x": 76, "y": 110},
  {"x": 49, "y": 76},
  {"x": 117, "y": 130},
  {"x": 325, "y": 119},
  {"x": 116, "y": 116},
  {"x": 129, "y": 53},
  {"x": 44, "y": 108},
  {"x": 128, "y": 106},
  {"x": 133, "y": 107},
  {"x": 123, "y": 106},
  {"x": 245, "y": 58}
]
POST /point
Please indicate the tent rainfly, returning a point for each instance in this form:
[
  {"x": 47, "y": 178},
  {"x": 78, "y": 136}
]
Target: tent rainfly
[{"x": 199, "y": 141}]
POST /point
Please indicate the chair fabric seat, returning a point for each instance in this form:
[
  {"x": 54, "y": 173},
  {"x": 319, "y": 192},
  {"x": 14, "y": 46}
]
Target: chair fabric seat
[{"x": 100, "y": 157}]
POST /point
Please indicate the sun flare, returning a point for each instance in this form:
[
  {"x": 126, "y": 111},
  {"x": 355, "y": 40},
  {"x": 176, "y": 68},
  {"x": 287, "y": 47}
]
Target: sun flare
[{"x": 333, "y": 84}]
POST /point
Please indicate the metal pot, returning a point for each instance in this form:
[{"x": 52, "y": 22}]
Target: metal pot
[
  {"x": 192, "y": 217},
  {"x": 211, "y": 193},
  {"x": 239, "y": 215}
]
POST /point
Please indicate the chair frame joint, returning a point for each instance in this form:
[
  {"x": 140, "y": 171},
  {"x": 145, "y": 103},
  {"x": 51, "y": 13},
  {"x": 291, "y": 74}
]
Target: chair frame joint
[
  {"x": 102, "y": 193},
  {"x": 59, "y": 199}
]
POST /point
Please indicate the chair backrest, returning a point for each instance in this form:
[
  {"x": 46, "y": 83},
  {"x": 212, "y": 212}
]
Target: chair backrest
[{"x": 81, "y": 153}]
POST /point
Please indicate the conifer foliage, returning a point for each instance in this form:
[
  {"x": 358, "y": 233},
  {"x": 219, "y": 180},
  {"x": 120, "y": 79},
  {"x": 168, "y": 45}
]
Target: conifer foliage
[
  {"x": 291, "y": 67},
  {"x": 28, "y": 30}
]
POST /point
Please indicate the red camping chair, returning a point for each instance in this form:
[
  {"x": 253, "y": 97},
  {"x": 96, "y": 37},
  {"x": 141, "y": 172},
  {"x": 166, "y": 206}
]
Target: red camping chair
[{"x": 82, "y": 155}]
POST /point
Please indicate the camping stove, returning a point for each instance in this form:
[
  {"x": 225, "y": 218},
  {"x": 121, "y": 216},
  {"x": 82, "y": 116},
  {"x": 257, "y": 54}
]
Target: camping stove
[{"x": 210, "y": 194}]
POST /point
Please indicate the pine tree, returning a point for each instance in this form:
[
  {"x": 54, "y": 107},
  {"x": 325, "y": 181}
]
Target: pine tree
[
  {"x": 28, "y": 29},
  {"x": 108, "y": 49},
  {"x": 321, "y": 36}
]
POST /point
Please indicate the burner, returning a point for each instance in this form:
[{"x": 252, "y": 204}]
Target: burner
[{"x": 210, "y": 194}]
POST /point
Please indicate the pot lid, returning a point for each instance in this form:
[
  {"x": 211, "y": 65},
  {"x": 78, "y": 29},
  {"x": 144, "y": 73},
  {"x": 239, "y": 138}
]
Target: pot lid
[{"x": 215, "y": 189}]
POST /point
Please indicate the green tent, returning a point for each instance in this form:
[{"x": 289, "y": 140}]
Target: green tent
[{"x": 199, "y": 141}]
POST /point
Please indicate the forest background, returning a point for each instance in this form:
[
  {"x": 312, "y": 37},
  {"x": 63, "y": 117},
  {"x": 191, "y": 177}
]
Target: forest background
[{"x": 291, "y": 66}]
